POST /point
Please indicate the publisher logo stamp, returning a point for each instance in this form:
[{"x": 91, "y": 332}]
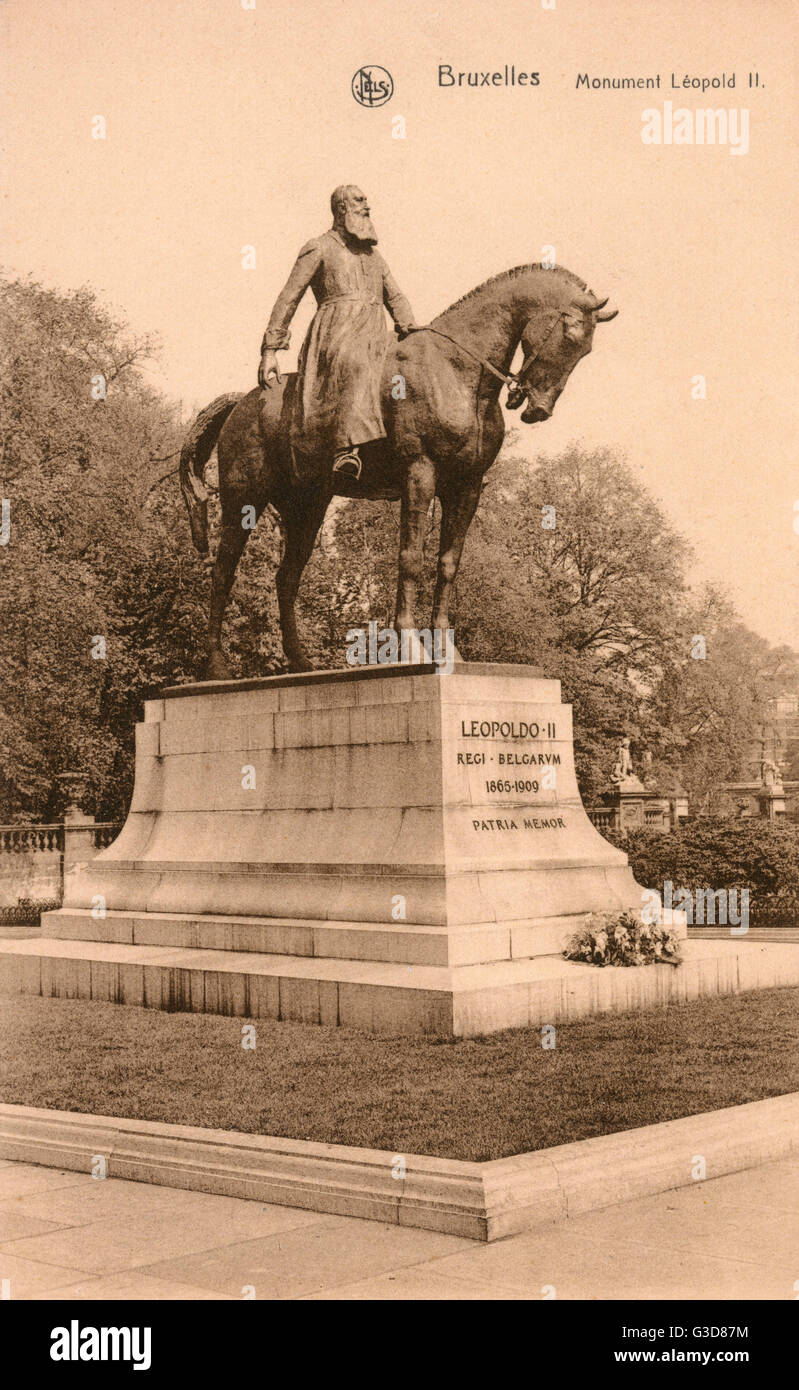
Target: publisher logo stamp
[{"x": 372, "y": 86}]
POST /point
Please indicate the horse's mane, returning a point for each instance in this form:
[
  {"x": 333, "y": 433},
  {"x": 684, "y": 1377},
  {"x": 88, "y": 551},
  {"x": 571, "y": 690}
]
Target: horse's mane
[{"x": 517, "y": 270}]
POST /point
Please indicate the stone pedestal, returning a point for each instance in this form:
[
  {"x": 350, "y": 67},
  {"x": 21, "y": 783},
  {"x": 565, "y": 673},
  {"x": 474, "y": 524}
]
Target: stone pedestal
[
  {"x": 771, "y": 802},
  {"x": 745, "y": 800},
  {"x": 636, "y": 807},
  {"x": 80, "y": 830},
  {"x": 387, "y": 848}
]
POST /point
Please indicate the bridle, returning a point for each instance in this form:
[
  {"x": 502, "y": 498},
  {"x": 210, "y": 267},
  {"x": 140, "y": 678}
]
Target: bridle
[{"x": 513, "y": 380}]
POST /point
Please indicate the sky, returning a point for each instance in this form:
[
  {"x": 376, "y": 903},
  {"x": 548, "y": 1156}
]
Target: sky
[{"x": 228, "y": 127}]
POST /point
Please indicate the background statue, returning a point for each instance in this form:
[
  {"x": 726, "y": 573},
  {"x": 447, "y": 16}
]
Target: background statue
[
  {"x": 623, "y": 765},
  {"x": 443, "y": 424},
  {"x": 770, "y": 775}
]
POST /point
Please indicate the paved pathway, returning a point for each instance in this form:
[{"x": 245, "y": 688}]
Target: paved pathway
[{"x": 68, "y": 1236}]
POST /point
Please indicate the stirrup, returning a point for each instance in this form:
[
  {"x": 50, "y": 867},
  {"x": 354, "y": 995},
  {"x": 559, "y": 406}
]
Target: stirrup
[{"x": 350, "y": 464}]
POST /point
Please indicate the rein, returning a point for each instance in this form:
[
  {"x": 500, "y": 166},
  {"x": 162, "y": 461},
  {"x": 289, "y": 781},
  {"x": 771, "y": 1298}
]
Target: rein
[{"x": 511, "y": 380}]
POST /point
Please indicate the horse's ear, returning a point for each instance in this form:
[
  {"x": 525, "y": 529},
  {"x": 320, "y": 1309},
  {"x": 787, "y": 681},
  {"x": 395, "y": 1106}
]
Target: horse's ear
[{"x": 594, "y": 306}]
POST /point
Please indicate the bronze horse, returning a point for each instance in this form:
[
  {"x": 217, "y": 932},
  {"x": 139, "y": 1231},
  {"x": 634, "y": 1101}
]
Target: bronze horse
[{"x": 444, "y": 429}]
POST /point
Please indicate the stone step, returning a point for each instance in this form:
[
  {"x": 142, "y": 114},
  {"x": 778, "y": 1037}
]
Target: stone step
[
  {"x": 383, "y": 997},
  {"x": 402, "y": 943},
  {"x": 722, "y": 933},
  {"x": 370, "y": 995},
  {"x": 375, "y": 941}
]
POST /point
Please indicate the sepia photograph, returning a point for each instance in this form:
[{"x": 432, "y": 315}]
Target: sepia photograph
[{"x": 399, "y": 668}]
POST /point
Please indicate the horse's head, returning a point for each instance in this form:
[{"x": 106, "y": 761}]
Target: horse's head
[{"x": 553, "y": 343}]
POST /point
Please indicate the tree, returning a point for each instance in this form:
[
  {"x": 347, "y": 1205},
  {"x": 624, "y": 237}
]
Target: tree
[
  {"x": 101, "y": 598},
  {"x": 712, "y": 703}
]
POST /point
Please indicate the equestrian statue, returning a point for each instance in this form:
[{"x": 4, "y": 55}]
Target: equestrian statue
[{"x": 369, "y": 417}]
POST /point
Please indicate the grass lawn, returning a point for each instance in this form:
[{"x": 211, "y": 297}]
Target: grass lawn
[{"x": 475, "y": 1098}]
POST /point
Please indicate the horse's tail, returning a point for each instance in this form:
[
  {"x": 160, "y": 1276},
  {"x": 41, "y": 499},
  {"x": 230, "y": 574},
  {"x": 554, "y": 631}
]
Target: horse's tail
[{"x": 197, "y": 448}]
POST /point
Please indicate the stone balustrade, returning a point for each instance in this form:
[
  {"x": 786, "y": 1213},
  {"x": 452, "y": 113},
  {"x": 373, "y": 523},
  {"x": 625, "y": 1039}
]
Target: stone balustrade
[
  {"x": 32, "y": 856},
  {"x": 28, "y": 839}
]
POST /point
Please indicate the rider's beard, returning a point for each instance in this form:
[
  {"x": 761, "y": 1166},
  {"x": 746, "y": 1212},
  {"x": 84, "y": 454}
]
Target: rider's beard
[{"x": 360, "y": 226}]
